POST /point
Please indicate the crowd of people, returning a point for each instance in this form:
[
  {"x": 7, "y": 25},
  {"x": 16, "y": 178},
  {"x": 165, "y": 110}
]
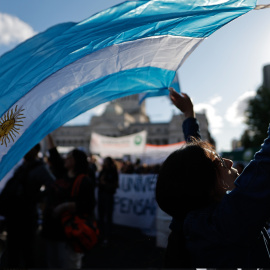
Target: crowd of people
[
  {"x": 40, "y": 196},
  {"x": 219, "y": 213},
  {"x": 37, "y": 198},
  {"x": 128, "y": 167}
]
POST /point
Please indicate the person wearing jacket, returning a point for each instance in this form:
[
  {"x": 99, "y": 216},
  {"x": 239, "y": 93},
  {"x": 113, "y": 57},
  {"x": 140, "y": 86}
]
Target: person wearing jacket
[
  {"x": 20, "y": 201},
  {"x": 108, "y": 181},
  {"x": 60, "y": 252},
  {"x": 218, "y": 215}
]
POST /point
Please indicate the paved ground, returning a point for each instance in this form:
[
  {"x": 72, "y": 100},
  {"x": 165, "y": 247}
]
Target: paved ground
[{"x": 129, "y": 248}]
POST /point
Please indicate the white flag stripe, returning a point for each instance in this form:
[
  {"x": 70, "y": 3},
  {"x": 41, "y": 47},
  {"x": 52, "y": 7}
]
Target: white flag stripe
[{"x": 162, "y": 52}]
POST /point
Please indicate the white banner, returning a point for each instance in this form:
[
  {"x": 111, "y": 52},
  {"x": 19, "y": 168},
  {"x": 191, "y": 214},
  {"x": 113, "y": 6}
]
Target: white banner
[
  {"x": 134, "y": 201},
  {"x": 156, "y": 154},
  {"x": 118, "y": 147}
]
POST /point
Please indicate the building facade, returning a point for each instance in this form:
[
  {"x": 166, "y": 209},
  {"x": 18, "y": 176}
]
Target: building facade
[
  {"x": 124, "y": 117},
  {"x": 266, "y": 76}
]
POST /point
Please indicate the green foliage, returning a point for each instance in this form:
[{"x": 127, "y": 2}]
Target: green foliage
[{"x": 257, "y": 119}]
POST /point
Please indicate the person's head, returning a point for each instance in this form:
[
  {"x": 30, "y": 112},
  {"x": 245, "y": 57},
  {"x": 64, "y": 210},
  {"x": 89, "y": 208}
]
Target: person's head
[
  {"x": 91, "y": 158},
  {"x": 33, "y": 153},
  {"x": 193, "y": 177},
  {"x": 108, "y": 163},
  {"x": 76, "y": 162},
  {"x": 240, "y": 167}
]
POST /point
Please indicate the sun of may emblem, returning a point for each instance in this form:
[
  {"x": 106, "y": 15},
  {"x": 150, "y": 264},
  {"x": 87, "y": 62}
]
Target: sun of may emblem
[{"x": 9, "y": 124}]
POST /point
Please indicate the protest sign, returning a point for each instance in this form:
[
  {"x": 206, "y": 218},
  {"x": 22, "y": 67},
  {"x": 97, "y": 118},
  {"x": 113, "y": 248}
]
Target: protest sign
[
  {"x": 120, "y": 146},
  {"x": 134, "y": 201}
]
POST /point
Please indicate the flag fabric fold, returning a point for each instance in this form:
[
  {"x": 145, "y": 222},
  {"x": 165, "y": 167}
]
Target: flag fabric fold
[
  {"x": 131, "y": 48},
  {"x": 163, "y": 92}
]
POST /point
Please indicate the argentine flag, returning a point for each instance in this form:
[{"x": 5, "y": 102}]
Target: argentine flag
[
  {"x": 163, "y": 92},
  {"x": 131, "y": 48}
]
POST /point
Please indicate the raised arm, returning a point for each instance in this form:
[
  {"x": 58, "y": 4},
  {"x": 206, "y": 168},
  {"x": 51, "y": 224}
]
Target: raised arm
[
  {"x": 56, "y": 161},
  {"x": 184, "y": 104},
  {"x": 50, "y": 141}
]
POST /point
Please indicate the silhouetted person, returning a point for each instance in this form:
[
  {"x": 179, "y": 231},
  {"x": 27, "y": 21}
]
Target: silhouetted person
[
  {"x": 21, "y": 196},
  {"x": 107, "y": 185},
  {"x": 212, "y": 226},
  {"x": 60, "y": 252},
  {"x": 92, "y": 165}
]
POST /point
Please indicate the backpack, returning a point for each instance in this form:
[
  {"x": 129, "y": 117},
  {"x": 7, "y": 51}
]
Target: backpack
[{"x": 81, "y": 232}]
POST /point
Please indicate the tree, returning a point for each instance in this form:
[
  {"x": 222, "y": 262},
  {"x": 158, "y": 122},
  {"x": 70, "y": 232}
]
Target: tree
[{"x": 257, "y": 119}]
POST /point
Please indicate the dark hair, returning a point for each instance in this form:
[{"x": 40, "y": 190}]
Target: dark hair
[
  {"x": 109, "y": 162},
  {"x": 32, "y": 154},
  {"x": 187, "y": 179},
  {"x": 81, "y": 163},
  {"x": 240, "y": 167}
]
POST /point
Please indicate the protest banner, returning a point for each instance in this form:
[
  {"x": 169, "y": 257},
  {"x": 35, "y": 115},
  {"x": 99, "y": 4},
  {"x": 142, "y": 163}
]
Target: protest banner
[
  {"x": 134, "y": 201},
  {"x": 156, "y": 154},
  {"x": 118, "y": 147}
]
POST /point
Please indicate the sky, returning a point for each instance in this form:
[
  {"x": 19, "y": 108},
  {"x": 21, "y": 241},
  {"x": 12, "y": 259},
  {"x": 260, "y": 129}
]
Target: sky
[{"x": 220, "y": 75}]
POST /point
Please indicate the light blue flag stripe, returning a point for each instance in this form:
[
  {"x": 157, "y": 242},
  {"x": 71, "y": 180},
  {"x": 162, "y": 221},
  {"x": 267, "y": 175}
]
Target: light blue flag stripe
[
  {"x": 66, "y": 109},
  {"x": 162, "y": 92},
  {"x": 63, "y": 44},
  {"x": 39, "y": 64}
]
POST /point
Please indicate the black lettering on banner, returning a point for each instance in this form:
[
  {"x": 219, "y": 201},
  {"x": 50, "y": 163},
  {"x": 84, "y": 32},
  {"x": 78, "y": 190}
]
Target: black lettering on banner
[
  {"x": 138, "y": 207},
  {"x": 137, "y": 183}
]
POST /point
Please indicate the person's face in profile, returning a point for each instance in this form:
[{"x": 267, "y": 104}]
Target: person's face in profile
[
  {"x": 69, "y": 162},
  {"x": 226, "y": 173}
]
